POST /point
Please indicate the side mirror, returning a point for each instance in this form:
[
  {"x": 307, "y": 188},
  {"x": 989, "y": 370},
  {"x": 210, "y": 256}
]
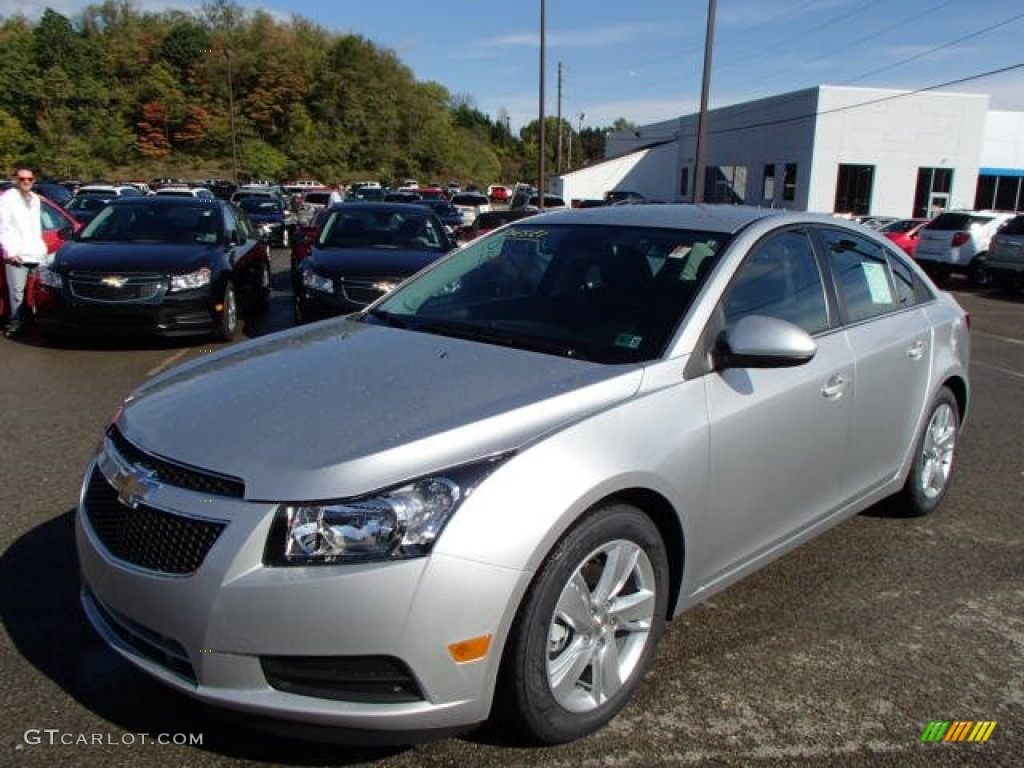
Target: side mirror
[{"x": 758, "y": 341}]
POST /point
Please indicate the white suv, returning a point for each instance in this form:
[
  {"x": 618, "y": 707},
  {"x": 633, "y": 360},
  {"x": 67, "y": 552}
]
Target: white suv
[{"x": 957, "y": 241}]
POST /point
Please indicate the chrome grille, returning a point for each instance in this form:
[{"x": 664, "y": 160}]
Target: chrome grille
[
  {"x": 360, "y": 292},
  {"x": 178, "y": 475},
  {"x": 145, "y": 536},
  {"x": 116, "y": 288}
]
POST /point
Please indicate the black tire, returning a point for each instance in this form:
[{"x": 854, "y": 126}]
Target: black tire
[
  {"x": 978, "y": 273},
  {"x": 934, "y": 457},
  {"x": 262, "y": 303},
  {"x": 617, "y": 629},
  {"x": 229, "y": 320}
]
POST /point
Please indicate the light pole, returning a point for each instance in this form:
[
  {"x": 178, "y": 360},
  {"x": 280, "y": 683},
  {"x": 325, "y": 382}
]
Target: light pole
[{"x": 231, "y": 113}]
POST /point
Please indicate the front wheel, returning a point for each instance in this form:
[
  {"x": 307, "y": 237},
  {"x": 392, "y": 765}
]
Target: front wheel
[
  {"x": 588, "y": 628},
  {"x": 228, "y": 327},
  {"x": 978, "y": 273},
  {"x": 932, "y": 469}
]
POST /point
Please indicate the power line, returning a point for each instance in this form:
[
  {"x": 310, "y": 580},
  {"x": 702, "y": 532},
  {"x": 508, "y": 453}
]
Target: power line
[
  {"x": 936, "y": 48},
  {"x": 831, "y": 53},
  {"x": 881, "y": 99}
]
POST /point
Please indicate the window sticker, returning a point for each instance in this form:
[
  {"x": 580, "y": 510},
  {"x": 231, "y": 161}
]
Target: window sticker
[
  {"x": 628, "y": 341},
  {"x": 878, "y": 284}
]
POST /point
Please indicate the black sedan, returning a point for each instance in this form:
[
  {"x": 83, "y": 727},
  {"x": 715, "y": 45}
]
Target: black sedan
[
  {"x": 272, "y": 217},
  {"x": 362, "y": 251},
  {"x": 169, "y": 266}
]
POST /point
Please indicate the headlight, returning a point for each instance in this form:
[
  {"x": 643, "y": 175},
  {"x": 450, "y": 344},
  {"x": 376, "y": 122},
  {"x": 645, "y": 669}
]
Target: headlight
[
  {"x": 192, "y": 280},
  {"x": 316, "y": 282},
  {"x": 48, "y": 277},
  {"x": 395, "y": 524}
]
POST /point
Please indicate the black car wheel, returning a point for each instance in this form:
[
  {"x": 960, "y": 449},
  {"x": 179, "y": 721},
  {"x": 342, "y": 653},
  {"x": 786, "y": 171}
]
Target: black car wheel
[
  {"x": 588, "y": 629},
  {"x": 263, "y": 290},
  {"x": 228, "y": 328},
  {"x": 978, "y": 273},
  {"x": 932, "y": 469}
]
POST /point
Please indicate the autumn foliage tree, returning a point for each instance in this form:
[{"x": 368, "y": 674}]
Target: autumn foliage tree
[{"x": 120, "y": 91}]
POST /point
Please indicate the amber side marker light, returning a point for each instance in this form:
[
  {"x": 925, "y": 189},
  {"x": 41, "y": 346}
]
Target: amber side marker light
[{"x": 470, "y": 650}]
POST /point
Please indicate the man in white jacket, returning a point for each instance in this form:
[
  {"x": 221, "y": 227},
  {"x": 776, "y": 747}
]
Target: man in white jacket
[{"x": 21, "y": 238}]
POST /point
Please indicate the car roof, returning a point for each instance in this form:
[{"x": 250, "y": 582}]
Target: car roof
[
  {"x": 166, "y": 201},
  {"x": 704, "y": 217}
]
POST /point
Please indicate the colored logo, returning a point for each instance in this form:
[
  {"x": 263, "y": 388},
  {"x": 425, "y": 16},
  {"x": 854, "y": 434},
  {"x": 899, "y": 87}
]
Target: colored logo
[{"x": 958, "y": 730}]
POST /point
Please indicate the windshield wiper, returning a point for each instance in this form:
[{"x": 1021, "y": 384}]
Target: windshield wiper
[
  {"x": 388, "y": 318},
  {"x": 492, "y": 334}
]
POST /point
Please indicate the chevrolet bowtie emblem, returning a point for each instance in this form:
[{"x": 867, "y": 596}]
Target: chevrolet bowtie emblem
[
  {"x": 134, "y": 486},
  {"x": 115, "y": 281}
]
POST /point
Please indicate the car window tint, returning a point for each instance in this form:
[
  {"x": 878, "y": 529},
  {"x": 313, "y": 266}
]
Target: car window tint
[
  {"x": 903, "y": 279},
  {"x": 863, "y": 277},
  {"x": 1014, "y": 226},
  {"x": 51, "y": 220},
  {"x": 779, "y": 278}
]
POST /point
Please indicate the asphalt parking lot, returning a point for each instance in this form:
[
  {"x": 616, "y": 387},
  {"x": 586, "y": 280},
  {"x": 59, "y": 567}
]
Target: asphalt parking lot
[{"x": 840, "y": 654}]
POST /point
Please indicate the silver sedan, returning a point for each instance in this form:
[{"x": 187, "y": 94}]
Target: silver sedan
[{"x": 484, "y": 496}]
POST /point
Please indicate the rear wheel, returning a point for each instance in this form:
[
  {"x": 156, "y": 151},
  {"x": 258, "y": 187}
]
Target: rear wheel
[
  {"x": 263, "y": 289},
  {"x": 588, "y": 629},
  {"x": 934, "y": 455}
]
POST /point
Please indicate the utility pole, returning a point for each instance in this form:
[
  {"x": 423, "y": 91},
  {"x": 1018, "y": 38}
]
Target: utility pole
[
  {"x": 541, "y": 186},
  {"x": 702, "y": 120},
  {"x": 558, "y": 121},
  {"x": 231, "y": 111}
]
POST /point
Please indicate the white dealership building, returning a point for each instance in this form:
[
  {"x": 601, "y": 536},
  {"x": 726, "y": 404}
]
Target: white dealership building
[{"x": 834, "y": 149}]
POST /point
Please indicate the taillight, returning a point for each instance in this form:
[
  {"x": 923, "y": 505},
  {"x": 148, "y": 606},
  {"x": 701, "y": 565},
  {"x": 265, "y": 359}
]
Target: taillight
[{"x": 959, "y": 238}]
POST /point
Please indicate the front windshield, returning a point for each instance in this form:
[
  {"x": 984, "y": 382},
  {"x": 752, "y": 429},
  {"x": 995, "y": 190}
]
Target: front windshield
[
  {"x": 602, "y": 293},
  {"x": 146, "y": 222},
  {"x": 408, "y": 228},
  {"x": 259, "y": 205}
]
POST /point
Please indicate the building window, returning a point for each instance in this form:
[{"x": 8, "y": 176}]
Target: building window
[
  {"x": 934, "y": 188},
  {"x": 853, "y": 189},
  {"x": 726, "y": 184},
  {"x": 999, "y": 192},
  {"x": 789, "y": 183},
  {"x": 768, "y": 184},
  {"x": 684, "y": 182}
]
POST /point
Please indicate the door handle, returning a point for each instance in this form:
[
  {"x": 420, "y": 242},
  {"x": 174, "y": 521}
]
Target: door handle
[
  {"x": 916, "y": 350},
  {"x": 834, "y": 388}
]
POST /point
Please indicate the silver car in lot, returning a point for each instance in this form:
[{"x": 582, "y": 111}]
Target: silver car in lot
[{"x": 484, "y": 496}]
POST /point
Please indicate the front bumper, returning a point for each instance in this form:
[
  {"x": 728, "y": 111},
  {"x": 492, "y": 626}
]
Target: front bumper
[
  {"x": 187, "y": 313},
  {"x": 224, "y": 630}
]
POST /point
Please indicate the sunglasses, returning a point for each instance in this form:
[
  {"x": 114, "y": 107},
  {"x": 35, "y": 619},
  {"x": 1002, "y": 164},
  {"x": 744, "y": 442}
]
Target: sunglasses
[{"x": 25, "y": 178}]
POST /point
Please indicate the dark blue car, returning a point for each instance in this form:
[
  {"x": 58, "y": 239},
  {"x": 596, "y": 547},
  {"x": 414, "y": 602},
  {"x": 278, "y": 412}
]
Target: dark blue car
[
  {"x": 362, "y": 252},
  {"x": 168, "y": 266},
  {"x": 272, "y": 217}
]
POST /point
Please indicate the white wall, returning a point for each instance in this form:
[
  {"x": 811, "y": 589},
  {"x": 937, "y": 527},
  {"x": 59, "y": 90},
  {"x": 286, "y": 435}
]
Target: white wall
[
  {"x": 819, "y": 129},
  {"x": 897, "y": 134},
  {"x": 1004, "y": 141}
]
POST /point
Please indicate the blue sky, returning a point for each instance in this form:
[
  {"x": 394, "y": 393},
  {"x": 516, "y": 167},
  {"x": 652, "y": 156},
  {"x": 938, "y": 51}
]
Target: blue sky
[{"x": 643, "y": 60}]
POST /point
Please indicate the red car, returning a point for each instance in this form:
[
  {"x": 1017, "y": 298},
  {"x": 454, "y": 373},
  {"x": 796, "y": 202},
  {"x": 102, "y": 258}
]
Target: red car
[
  {"x": 58, "y": 227},
  {"x": 904, "y": 232}
]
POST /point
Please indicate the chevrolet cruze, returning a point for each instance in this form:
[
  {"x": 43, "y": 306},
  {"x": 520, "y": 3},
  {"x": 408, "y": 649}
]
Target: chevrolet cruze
[{"x": 486, "y": 494}]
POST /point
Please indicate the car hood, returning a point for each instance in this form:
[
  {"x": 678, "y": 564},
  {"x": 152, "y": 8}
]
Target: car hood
[
  {"x": 370, "y": 261},
  {"x": 261, "y": 217},
  {"x": 341, "y": 408},
  {"x": 165, "y": 258}
]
